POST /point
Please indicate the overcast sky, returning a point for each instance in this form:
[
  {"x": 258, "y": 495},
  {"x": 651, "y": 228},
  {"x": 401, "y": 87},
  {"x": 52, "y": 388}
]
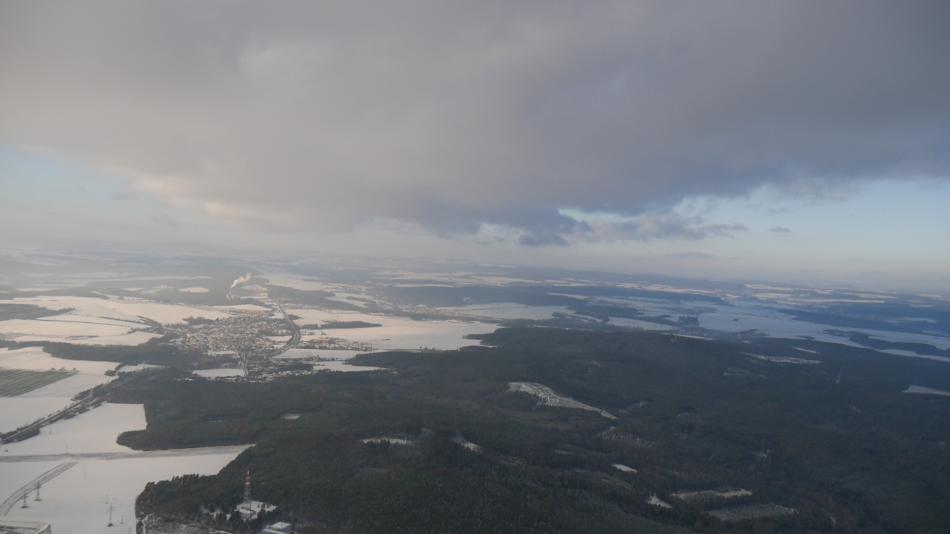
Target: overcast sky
[{"x": 797, "y": 140}]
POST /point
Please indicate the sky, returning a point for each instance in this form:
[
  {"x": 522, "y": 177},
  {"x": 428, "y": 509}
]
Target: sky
[{"x": 806, "y": 142}]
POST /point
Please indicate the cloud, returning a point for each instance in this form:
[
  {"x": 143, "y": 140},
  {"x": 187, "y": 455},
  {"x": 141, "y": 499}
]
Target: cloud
[
  {"x": 780, "y": 230},
  {"x": 693, "y": 255},
  {"x": 323, "y": 117},
  {"x": 670, "y": 225},
  {"x": 124, "y": 195}
]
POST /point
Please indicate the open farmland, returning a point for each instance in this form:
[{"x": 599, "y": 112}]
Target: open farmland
[{"x": 14, "y": 382}]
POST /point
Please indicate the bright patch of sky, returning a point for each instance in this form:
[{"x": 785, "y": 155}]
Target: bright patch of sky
[{"x": 887, "y": 232}]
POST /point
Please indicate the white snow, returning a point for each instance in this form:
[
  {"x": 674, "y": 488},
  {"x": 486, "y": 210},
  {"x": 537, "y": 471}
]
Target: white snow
[
  {"x": 636, "y": 323},
  {"x": 911, "y": 354},
  {"x": 194, "y": 289},
  {"x": 924, "y": 390},
  {"x": 322, "y": 354},
  {"x": 15, "y": 475},
  {"x": 33, "y": 405},
  {"x": 462, "y": 442},
  {"x": 506, "y": 310},
  {"x": 548, "y": 397},
  {"x": 396, "y": 332},
  {"x": 782, "y": 359},
  {"x": 58, "y": 329},
  {"x": 93, "y": 431},
  {"x": 220, "y": 372},
  {"x": 658, "y": 502},
  {"x": 344, "y": 367},
  {"x": 243, "y": 308},
  {"x": 78, "y": 501},
  {"x": 720, "y": 493},
  {"x": 387, "y": 439},
  {"x": 624, "y": 468},
  {"x": 127, "y": 309}
]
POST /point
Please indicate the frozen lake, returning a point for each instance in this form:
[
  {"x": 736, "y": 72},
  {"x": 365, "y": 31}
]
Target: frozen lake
[{"x": 394, "y": 332}]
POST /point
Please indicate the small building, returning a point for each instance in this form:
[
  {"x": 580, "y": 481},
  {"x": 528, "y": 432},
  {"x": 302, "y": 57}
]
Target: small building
[{"x": 249, "y": 510}]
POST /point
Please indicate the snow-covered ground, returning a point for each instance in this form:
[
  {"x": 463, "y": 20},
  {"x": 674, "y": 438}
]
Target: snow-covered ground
[
  {"x": 624, "y": 468},
  {"x": 344, "y": 367},
  {"x": 704, "y": 495},
  {"x": 222, "y": 372},
  {"x": 243, "y": 308},
  {"x": 924, "y": 390},
  {"x": 78, "y": 500},
  {"x": 124, "y": 309},
  {"x": 507, "y": 310},
  {"x": 782, "y": 359},
  {"x": 328, "y": 360},
  {"x": 95, "y": 321},
  {"x": 26, "y": 408},
  {"x": 67, "y": 328},
  {"x": 387, "y": 439},
  {"x": 194, "y": 289},
  {"x": 548, "y": 397},
  {"x": 743, "y": 317},
  {"x": 636, "y": 323},
  {"x": 322, "y": 354},
  {"x": 93, "y": 431},
  {"x": 395, "y": 332}
]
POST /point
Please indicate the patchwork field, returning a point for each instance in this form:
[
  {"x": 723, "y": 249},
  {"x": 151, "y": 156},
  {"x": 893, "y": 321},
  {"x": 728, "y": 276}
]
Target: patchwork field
[{"x": 14, "y": 382}]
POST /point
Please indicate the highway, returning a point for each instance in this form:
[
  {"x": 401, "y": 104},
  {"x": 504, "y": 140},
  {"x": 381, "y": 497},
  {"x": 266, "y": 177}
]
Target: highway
[
  {"x": 121, "y": 455},
  {"x": 17, "y": 495}
]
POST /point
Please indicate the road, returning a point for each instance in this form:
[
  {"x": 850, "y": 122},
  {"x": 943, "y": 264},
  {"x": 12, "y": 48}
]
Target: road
[
  {"x": 87, "y": 400},
  {"x": 17, "y": 495},
  {"x": 120, "y": 455},
  {"x": 246, "y": 362}
]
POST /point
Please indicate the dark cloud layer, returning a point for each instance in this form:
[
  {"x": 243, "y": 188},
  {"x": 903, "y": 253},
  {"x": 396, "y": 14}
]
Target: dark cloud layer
[{"x": 451, "y": 114}]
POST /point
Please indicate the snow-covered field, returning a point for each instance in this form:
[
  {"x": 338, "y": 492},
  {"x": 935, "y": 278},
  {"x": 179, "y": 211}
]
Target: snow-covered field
[
  {"x": 95, "y": 321},
  {"x": 328, "y": 360},
  {"x": 774, "y": 324},
  {"x": 222, "y": 372},
  {"x": 79, "y": 329},
  {"x": 782, "y": 359},
  {"x": 194, "y": 289},
  {"x": 344, "y": 367},
  {"x": 26, "y": 408},
  {"x": 124, "y": 309},
  {"x": 507, "y": 310},
  {"x": 548, "y": 397},
  {"x": 78, "y": 500},
  {"x": 924, "y": 390},
  {"x": 636, "y": 323},
  {"x": 705, "y": 495},
  {"x": 387, "y": 439},
  {"x": 395, "y": 332},
  {"x": 93, "y": 431},
  {"x": 624, "y": 468},
  {"x": 322, "y": 354}
]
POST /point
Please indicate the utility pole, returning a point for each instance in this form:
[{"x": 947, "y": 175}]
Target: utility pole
[
  {"x": 38, "y": 498},
  {"x": 110, "y": 515}
]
